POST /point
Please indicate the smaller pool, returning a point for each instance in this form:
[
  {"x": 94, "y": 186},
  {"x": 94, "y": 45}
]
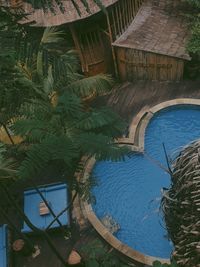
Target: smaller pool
[{"x": 130, "y": 191}]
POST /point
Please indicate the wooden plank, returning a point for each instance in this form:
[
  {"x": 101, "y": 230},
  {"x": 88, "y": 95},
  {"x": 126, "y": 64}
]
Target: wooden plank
[
  {"x": 88, "y": 49},
  {"x": 126, "y": 13},
  {"x": 84, "y": 64},
  {"x": 129, "y": 11},
  {"x": 133, "y": 8},
  {"x": 114, "y": 24},
  {"x": 169, "y": 72},
  {"x": 121, "y": 4},
  {"x": 137, "y": 5},
  {"x": 121, "y": 63},
  {"x": 112, "y": 48},
  {"x": 180, "y": 69},
  {"x": 120, "y": 18}
]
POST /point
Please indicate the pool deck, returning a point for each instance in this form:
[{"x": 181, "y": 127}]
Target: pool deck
[{"x": 129, "y": 98}]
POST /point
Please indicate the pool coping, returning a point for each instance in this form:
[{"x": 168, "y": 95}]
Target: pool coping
[{"x": 135, "y": 139}]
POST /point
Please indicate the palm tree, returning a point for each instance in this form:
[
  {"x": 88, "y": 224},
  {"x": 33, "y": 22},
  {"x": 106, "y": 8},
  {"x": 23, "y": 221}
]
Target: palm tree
[{"x": 55, "y": 122}]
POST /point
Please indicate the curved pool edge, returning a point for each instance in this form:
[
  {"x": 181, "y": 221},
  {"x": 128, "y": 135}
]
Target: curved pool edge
[
  {"x": 140, "y": 126},
  {"x": 136, "y": 141}
]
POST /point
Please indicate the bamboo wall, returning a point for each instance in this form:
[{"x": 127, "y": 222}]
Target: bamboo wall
[
  {"x": 122, "y": 14},
  {"x": 93, "y": 49},
  {"x": 141, "y": 65},
  {"x": 93, "y": 38}
]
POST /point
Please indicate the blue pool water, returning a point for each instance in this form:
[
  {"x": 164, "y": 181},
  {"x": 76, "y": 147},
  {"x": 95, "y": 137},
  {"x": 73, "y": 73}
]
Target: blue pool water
[{"x": 130, "y": 191}]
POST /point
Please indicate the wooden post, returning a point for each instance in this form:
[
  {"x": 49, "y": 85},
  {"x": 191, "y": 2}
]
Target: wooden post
[
  {"x": 134, "y": 2},
  {"x": 114, "y": 24},
  {"x": 111, "y": 41},
  {"x": 129, "y": 12},
  {"x": 123, "y": 15},
  {"x": 126, "y": 13},
  {"x": 78, "y": 48},
  {"x": 117, "y": 17},
  {"x": 120, "y": 17}
]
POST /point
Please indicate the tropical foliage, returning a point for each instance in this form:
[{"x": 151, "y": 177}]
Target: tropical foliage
[
  {"x": 7, "y": 165},
  {"x": 193, "y": 13},
  {"x": 53, "y": 113},
  {"x": 58, "y": 124},
  {"x": 14, "y": 86},
  {"x": 99, "y": 256},
  {"x": 159, "y": 264}
]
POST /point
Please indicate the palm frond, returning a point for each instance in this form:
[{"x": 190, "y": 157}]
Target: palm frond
[
  {"x": 25, "y": 127},
  {"x": 51, "y": 35},
  {"x": 69, "y": 105},
  {"x": 98, "y": 118},
  {"x": 99, "y": 84},
  {"x": 101, "y": 146},
  {"x": 49, "y": 82},
  {"x": 7, "y": 166},
  {"x": 51, "y": 148}
]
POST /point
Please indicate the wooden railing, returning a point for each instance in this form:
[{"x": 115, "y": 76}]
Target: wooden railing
[{"x": 122, "y": 14}]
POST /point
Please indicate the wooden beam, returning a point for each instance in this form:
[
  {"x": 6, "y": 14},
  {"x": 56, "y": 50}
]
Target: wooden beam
[
  {"x": 126, "y": 13},
  {"x": 111, "y": 41},
  {"x": 123, "y": 14},
  {"x": 117, "y": 17},
  {"x": 114, "y": 24},
  {"x": 78, "y": 48},
  {"x": 129, "y": 11}
]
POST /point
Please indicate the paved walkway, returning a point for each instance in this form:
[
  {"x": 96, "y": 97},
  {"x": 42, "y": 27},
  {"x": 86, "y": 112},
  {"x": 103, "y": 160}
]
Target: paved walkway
[{"x": 130, "y": 98}]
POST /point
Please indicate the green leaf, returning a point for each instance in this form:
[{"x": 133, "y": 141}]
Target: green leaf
[
  {"x": 157, "y": 264},
  {"x": 99, "y": 84},
  {"x": 92, "y": 263}
]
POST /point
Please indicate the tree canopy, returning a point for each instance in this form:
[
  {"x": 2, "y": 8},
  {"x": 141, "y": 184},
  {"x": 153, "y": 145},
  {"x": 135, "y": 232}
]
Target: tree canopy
[{"x": 193, "y": 13}]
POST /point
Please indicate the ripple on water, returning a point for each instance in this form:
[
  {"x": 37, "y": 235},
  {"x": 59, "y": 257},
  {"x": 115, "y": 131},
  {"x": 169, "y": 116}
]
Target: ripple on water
[{"x": 130, "y": 191}]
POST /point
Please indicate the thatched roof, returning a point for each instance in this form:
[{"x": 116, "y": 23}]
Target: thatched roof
[
  {"x": 70, "y": 14},
  {"x": 157, "y": 28}
]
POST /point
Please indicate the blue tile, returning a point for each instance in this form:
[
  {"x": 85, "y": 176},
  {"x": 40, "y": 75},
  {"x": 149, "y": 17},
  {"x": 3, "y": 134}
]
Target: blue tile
[{"x": 3, "y": 246}]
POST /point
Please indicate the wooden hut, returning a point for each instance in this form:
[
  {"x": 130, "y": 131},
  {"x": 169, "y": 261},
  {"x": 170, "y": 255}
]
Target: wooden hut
[
  {"x": 154, "y": 45},
  {"x": 92, "y": 30}
]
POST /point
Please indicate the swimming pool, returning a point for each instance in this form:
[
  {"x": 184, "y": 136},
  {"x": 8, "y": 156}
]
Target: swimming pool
[{"x": 130, "y": 191}]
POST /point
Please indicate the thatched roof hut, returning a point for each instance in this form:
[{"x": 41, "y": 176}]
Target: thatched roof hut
[
  {"x": 92, "y": 29},
  {"x": 154, "y": 45}
]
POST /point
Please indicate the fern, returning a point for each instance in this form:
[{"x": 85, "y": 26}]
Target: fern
[
  {"x": 99, "y": 84},
  {"x": 51, "y": 148},
  {"x": 7, "y": 166},
  {"x": 101, "y": 146},
  {"x": 69, "y": 105},
  {"x": 97, "y": 119}
]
